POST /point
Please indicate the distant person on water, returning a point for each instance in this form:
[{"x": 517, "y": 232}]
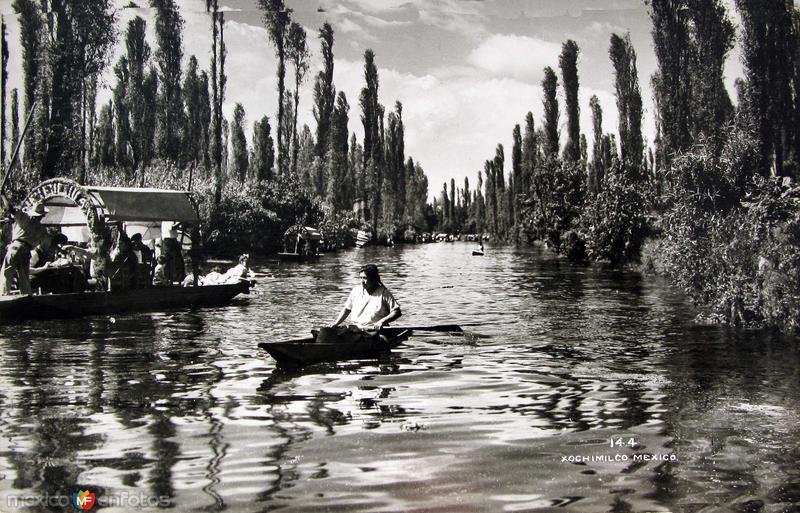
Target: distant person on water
[
  {"x": 370, "y": 305},
  {"x": 27, "y": 234}
]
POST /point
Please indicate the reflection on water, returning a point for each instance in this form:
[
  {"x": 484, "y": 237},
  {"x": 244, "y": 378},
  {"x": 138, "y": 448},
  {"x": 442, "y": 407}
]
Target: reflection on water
[{"x": 581, "y": 389}]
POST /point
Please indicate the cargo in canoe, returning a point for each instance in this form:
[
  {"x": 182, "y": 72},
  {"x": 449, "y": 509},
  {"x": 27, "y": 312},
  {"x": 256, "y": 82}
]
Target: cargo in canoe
[{"x": 307, "y": 351}]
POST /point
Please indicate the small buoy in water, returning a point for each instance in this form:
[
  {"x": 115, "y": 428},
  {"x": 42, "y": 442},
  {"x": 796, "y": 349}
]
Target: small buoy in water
[{"x": 112, "y": 320}]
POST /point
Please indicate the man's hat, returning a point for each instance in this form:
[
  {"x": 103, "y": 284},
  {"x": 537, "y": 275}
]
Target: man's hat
[{"x": 37, "y": 211}]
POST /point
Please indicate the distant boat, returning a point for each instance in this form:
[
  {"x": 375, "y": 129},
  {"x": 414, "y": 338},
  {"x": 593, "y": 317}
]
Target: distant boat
[
  {"x": 363, "y": 238},
  {"x": 477, "y": 253},
  {"x": 300, "y": 244}
]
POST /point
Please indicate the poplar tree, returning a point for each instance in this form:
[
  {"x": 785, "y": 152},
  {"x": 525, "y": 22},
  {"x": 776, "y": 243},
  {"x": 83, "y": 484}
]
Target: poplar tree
[
  {"x": 769, "y": 49},
  {"x": 196, "y": 109},
  {"x": 218, "y": 80},
  {"x": 490, "y": 198},
  {"x": 31, "y": 27},
  {"x": 169, "y": 52},
  {"x": 516, "y": 173},
  {"x": 277, "y": 18},
  {"x": 3, "y": 83},
  {"x": 453, "y": 206},
  {"x": 355, "y": 159},
  {"x": 568, "y": 62},
  {"x": 104, "y": 139},
  {"x": 298, "y": 55},
  {"x": 629, "y": 102},
  {"x": 671, "y": 81},
  {"x": 499, "y": 203},
  {"x": 206, "y": 120},
  {"x": 286, "y": 136},
  {"x": 324, "y": 90},
  {"x": 58, "y": 114},
  {"x": 339, "y": 185},
  {"x": 394, "y": 179},
  {"x": 596, "y": 167},
  {"x": 551, "y": 113},
  {"x": 14, "y": 119},
  {"x": 306, "y": 155},
  {"x": 239, "y": 158},
  {"x": 94, "y": 37},
  {"x": 372, "y": 120},
  {"x": 529, "y": 153},
  {"x": 713, "y": 35},
  {"x": 263, "y": 153},
  {"x": 135, "y": 99}
]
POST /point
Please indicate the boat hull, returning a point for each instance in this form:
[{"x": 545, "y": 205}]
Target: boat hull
[
  {"x": 136, "y": 300},
  {"x": 306, "y": 351},
  {"x": 295, "y": 257}
]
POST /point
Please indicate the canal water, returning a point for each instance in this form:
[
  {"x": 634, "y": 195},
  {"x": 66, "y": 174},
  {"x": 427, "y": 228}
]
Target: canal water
[{"x": 574, "y": 389}]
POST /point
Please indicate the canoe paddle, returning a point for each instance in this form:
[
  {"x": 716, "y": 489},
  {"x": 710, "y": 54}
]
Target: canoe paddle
[{"x": 436, "y": 327}]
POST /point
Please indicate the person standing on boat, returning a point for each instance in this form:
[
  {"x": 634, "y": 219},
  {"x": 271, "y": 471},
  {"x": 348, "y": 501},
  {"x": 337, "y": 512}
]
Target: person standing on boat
[
  {"x": 171, "y": 249},
  {"x": 370, "y": 305},
  {"x": 143, "y": 253},
  {"x": 28, "y": 233}
]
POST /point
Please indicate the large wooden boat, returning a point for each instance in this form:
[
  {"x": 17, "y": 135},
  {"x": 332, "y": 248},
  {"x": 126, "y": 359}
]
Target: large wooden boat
[
  {"x": 91, "y": 218},
  {"x": 307, "y": 351},
  {"x": 77, "y": 304}
]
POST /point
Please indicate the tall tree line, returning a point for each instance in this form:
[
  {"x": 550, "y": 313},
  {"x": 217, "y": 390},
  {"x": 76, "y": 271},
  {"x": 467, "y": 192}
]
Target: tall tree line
[{"x": 166, "y": 113}]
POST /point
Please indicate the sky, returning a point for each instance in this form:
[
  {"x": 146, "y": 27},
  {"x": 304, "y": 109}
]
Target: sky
[{"x": 466, "y": 71}]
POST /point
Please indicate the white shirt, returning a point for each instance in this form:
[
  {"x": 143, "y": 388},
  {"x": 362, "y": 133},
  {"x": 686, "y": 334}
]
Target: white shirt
[{"x": 366, "y": 309}]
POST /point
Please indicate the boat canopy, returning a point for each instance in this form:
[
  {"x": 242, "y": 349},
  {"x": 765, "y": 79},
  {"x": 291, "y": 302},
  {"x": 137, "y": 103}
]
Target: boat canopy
[
  {"x": 301, "y": 239},
  {"x": 78, "y": 211},
  {"x": 131, "y": 204}
]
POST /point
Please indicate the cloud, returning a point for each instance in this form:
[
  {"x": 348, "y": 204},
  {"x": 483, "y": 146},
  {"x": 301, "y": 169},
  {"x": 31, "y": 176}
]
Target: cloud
[
  {"x": 521, "y": 57},
  {"x": 457, "y": 16}
]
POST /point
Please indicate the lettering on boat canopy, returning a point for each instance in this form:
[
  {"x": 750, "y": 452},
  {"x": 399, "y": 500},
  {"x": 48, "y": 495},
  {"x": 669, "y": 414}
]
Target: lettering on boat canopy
[
  {"x": 57, "y": 187},
  {"x": 65, "y": 188}
]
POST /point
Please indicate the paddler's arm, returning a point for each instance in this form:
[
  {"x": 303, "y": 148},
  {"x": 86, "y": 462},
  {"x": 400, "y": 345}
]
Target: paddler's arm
[
  {"x": 393, "y": 316},
  {"x": 342, "y": 316}
]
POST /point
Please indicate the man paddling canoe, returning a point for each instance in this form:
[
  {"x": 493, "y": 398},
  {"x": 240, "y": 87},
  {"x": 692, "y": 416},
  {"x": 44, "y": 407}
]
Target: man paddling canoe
[{"x": 370, "y": 305}]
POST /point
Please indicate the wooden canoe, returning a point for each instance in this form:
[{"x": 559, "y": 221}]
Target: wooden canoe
[
  {"x": 307, "y": 351},
  {"x": 477, "y": 253},
  {"x": 78, "y": 304}
]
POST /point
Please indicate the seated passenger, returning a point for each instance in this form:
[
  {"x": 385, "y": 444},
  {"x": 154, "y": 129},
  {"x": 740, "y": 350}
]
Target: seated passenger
[
  {"x": 215, "y": 277},
  {"x": 239, "y": 272},
  {"x": 159, "y": 274},
  {"x": 123, "y": 264},
  {"x": 190, "y": 277},
  {"x": 47, "y": 252}
]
